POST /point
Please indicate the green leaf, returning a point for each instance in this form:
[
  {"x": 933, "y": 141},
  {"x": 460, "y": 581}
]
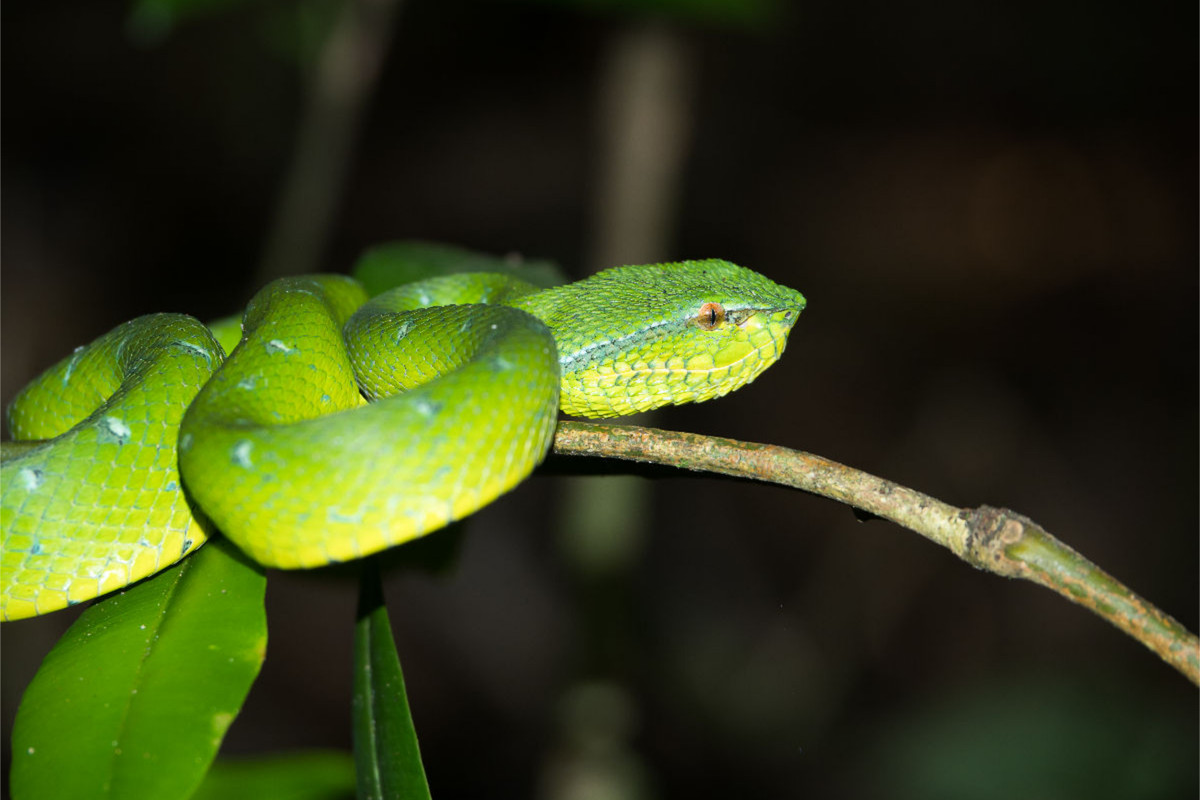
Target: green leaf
[
  {"x": 386, "y": 753},
  {"x": 398, "y": 263},
  {"x": 313, "y": 775},
  {"x": 135, "y": 698},
  {"x": 227, "y": 331}
]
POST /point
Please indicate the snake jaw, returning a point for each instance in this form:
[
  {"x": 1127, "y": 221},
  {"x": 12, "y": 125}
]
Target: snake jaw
[{"x": 758, "y": 343}]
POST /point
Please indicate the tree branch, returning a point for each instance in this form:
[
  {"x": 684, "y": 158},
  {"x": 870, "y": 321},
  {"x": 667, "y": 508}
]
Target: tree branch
[{"x": 993, "y": 539}]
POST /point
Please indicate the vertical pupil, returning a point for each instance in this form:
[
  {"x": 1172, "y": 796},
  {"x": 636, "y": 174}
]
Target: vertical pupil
[{"x": 711, "y": 315}]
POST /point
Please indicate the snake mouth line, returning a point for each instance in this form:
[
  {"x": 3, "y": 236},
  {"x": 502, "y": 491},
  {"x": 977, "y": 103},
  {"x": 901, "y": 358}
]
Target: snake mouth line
[{"x": 776, "y": 344}]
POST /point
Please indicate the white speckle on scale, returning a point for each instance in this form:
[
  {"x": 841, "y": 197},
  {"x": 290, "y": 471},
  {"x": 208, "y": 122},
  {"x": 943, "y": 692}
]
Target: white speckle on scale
[
  {"x": 77, "y": 354},
  {"x": 241, "y": 454},
  {"x": 30, "y": 478},
  {"x": 116, "y": 428}
]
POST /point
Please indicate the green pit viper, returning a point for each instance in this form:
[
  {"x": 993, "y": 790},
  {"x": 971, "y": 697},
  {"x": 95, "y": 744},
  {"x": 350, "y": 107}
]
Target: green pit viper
[{"x": 149, "y": 438}]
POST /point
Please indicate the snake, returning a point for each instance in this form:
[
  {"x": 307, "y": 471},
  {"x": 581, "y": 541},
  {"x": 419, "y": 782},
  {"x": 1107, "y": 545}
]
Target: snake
[{"x": 341, "y": 424}]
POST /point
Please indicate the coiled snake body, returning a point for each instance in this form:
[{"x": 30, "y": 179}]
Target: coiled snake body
[{"x": 147, "y": 437}]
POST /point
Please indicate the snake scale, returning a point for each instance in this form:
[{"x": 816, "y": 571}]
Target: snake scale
[{"x": 341, "y": 425}]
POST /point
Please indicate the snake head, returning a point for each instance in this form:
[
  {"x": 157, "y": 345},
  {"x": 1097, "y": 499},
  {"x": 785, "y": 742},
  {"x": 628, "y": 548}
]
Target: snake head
[{"x": 640, "y": 337}]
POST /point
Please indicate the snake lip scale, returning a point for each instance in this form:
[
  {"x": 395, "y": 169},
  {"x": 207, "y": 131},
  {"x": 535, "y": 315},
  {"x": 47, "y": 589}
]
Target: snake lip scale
[{"x": 139, "y": 445}]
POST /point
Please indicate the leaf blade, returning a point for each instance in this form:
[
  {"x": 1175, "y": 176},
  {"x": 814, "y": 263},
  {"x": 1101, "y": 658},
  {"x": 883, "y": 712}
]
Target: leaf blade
[
  {"x": 386, "y": 752},
  {"x": 135, "y": 698}
]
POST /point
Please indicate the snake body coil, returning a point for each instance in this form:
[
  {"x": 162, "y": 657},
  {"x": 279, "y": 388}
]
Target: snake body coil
[{"x": 278, "y": 448}]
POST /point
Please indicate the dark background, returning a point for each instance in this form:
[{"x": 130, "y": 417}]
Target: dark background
[{"x": 992, "y": 210}]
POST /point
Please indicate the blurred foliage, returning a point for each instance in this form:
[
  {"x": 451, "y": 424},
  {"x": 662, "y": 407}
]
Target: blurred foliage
[
  {"x": 1039, "y": 735},
  {"x": 310, "y": 775}
]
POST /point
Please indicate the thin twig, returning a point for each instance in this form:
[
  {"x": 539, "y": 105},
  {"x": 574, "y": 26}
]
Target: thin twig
[{"x": 993, "y": 539}]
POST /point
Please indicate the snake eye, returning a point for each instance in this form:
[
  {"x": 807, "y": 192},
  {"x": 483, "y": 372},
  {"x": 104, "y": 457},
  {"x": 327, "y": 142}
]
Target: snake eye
[{"x": 710, "y": 316}]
